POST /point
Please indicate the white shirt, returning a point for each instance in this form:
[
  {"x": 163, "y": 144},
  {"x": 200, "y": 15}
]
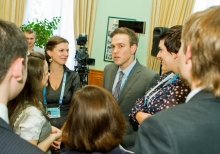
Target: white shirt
[
  {"x": 125, "y": 76},
  {"x": 29, "y": 123},
  {"x": 36, "y": 48},
  {"x": 4, "y": 112},
  {"x": 193, "y": 93}
]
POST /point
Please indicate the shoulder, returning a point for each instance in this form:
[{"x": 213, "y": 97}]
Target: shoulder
[
  {"x": 169, "y": 115},
  {"x": 32, "y": 110},
  {"x": 70, "y": 72},
  {"x": 13, "y": 143},
  {"x": 110, "y": 66},
  {"x": 144, "y": 69}
]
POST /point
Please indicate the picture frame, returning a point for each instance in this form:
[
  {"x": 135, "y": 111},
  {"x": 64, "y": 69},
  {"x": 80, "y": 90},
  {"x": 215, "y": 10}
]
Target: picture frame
[{"x": 111, "y": 26}]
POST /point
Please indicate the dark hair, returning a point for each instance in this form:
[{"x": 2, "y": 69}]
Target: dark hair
[
  {"x": 32, "y": 91},
  {"x": 124, "y": 30},
  {"x": 13, "y": 45},
  {"x": 51, "y": 44},
  {"x": 172, "y": 38},
  {"x": 94, "y": 122}
]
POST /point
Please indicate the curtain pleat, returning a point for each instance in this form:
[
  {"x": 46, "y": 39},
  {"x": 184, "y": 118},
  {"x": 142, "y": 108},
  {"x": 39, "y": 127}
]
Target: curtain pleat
[
  {"x": 84, "y": 19},
  {"x": 12, "y": 10}
]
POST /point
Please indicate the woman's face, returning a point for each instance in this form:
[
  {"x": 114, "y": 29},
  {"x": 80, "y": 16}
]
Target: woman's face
[
  {"x": 45, "y": 75},
  {"x": 60, "y": 53},
  {"x": 168, "y": 60}
]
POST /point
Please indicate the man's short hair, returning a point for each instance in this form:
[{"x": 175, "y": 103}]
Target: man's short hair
[
  {"x": 124, "y": 30},
  {"x": 13, "y": 45},
  {"x": 172, "y": 38},
  {"x": 202, "y": 32},
  {"x": 30, "y": 31}
]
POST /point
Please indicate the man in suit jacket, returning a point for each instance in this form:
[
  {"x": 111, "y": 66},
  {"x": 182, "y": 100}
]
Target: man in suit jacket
[
  {"x": 13, "y": 74},
  {"x": 137, "y": 79},
  {"x": 193, "y": 127}
]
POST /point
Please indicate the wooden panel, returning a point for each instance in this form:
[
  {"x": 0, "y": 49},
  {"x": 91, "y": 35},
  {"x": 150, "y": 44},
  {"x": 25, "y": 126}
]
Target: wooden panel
[{"x": 95, "y": 77}]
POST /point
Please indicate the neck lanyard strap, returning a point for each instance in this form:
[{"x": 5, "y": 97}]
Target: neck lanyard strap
[
  {"x": 62, "y": 91},
  {"x": 164, "y": 80},
  {"x": 173, "y": 79}
]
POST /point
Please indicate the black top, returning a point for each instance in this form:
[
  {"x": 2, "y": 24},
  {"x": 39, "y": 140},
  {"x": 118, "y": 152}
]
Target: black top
[
  {"x": 53, "y": 96},
  {"x": 116, "y": 150}
]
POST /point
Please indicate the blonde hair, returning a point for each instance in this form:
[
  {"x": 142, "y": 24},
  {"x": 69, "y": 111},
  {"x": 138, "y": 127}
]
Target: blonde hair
[{"x": 202, "y": 32}]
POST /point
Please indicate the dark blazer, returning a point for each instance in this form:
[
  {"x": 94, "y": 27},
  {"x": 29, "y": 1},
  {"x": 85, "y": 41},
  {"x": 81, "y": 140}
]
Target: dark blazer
[
  {"x": 10, "y": 143},
  {"x": 140, "y": 80},
  {"x": 190, "y": 128}
]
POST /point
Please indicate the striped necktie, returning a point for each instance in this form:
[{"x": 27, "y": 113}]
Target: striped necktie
[{"x": 116, "y": 91}]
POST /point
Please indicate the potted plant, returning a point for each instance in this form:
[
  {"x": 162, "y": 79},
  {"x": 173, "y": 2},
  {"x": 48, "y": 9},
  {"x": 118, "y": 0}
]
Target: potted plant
[{"x": 44, "y": 29}]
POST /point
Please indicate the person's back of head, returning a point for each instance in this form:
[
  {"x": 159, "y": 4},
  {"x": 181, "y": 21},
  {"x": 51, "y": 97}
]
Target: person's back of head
[
  {"x": 127, "y": 31},
  {"x": 12, "y": 45},
  {"x": 96, "y": 119},
  {"x": 13, "y": 51},
  {"x": 172, "y": 38},
  {"x": 201, "y": 34}
]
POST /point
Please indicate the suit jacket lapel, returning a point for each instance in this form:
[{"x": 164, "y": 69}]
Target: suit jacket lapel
[
  {"x": 112, "y": 77},
  {"x": 133, "y": 77}
]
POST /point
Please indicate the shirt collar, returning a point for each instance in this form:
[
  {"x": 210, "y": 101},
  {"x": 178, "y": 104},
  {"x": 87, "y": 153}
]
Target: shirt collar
[
  {"x": 4, "y": 112},
  {"x": 193, "y": 93},
  {"x": 128, "y": 69}
]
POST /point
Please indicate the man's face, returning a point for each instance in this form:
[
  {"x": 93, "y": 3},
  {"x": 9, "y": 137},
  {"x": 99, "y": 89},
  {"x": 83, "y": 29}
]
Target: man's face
[
  {"x": 122, "y": 51},
  {"x": 30, "y": 39}
]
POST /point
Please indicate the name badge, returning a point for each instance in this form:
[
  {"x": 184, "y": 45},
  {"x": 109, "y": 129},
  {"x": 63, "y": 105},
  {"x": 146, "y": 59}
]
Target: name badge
[{"x": 53, "y": 112}]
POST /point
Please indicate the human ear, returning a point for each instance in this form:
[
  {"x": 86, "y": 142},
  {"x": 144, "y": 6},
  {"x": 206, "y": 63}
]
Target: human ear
[
  {"x": 17, "y": 69},
  {"x": 48, "y": 52},
  {"x": 133, "y": 48},
  {"x": 188, "y": 53}
]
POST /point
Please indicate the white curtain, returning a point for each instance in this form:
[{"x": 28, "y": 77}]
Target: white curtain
[
  {"x": 204, "y": 4},
  {"x": 41, "y": 9}
]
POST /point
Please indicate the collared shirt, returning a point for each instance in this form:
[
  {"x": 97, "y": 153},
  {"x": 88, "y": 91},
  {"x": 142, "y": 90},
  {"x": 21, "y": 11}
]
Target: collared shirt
[
  {"x": 36, "y": 48},
  {"x": 125, "y": 76},
  {"x": 4, "y": 112},
  {"x": 193, "y": 93}
]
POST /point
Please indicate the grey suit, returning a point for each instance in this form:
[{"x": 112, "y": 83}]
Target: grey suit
[
  {"x": 11, "y": 143},
  {"x": 190, "y": 128},
  {"x": 140, "y": 80}
]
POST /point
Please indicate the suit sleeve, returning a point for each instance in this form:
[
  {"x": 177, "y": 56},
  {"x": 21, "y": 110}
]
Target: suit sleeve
[
  {"x": 104, "y": 76},
  {"x": 154, "y": 137}
]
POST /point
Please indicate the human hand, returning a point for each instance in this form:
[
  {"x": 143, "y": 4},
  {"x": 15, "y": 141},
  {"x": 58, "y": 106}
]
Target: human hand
[
  {"x": 55, "y": 145},
  {"x": 57, "y": 134},
  {"x": 141, "y": 116}
]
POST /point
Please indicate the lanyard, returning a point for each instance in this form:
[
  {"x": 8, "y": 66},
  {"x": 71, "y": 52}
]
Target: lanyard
[
  {"x": 172, "y": 76},
  {"x": 62, "y": 91}
]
